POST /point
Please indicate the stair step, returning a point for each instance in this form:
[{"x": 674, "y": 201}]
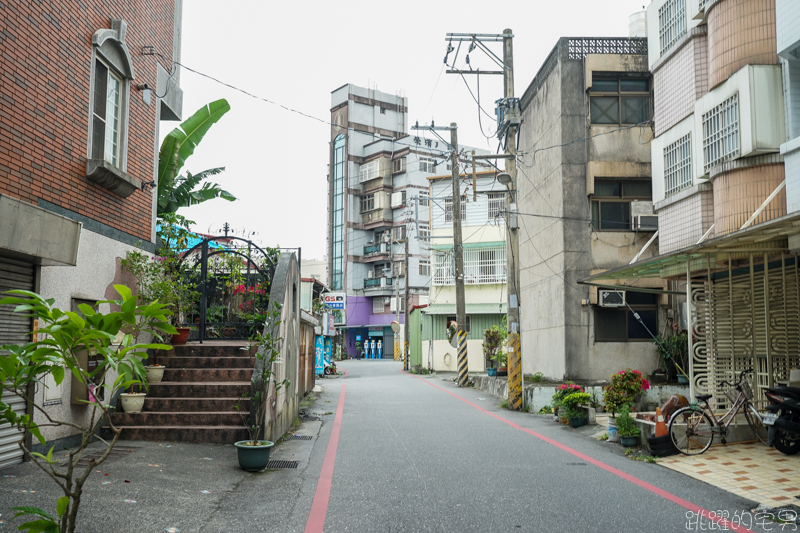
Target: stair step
[
  {"x": 210, "y": 350},
  {"x": 199, "y": 389},
  {"x": 164, "y": 418},
  {"x": 206, "y": 362},
  {"x": 199, "y": 434},
  {"x": 177, "y": 404},
  {"x": 181, "y": 375}
]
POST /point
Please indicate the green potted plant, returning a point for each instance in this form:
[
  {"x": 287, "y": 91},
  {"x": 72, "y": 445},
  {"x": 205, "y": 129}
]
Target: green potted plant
[
  {"x": 673, "y": 353},
  {"x": 492, "y": 345},
  {"x": 557, "y": 401},
  {"x": 572, "y": 403},
  {"x": 626, "y": 427},
  {"x": 254, "y": 452}
]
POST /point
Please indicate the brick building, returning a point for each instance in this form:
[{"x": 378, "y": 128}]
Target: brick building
[{"x": 83, "y": 88}]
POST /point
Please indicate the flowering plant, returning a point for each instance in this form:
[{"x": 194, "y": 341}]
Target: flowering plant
[
  {"x": 625, "y": 386},
  {"x": 562, "y": 391},
  {"x": 573, "y": 402}
]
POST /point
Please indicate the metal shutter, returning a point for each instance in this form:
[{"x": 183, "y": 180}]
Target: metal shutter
[{"x": 13, "y": 330}]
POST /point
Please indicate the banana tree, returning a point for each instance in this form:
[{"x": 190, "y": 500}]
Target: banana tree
[{"x": 175, "y": 191}]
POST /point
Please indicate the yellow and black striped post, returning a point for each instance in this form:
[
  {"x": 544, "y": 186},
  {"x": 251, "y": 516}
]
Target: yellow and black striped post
[
  {"x": 407, "y": 359},
  {"x": 514, "y": 373},
  {"x": 463, "y": 374}
]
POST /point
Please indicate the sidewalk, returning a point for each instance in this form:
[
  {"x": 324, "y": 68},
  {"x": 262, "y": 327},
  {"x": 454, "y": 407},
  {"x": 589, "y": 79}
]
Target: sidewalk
[{"x": 150, "y": 486}]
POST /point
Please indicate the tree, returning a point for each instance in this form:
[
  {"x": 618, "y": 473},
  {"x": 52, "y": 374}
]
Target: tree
[
  {"x": 63, "y": 337},
  {"x": 176, "y": 191}
]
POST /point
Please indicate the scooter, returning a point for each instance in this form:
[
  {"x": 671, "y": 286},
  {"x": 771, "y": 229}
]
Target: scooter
[
  {"x": 783, "y": 419},
  {"x": 329, "y": 368}
]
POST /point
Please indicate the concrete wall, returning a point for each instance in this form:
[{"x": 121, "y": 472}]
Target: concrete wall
[
  {"x": 284, "y": 406},
  {"x": 92, "y": 278}
]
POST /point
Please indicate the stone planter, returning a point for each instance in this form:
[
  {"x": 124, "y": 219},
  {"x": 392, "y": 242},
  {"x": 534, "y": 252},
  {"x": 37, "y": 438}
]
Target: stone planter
[
  {"x": 132, "y": 402},
  {"x": 155, "y": 373}
]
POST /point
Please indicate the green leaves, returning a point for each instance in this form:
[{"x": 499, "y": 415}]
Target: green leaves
[
  {"x": 174, "y": 193},
  {"x": 45, "y": 524}
]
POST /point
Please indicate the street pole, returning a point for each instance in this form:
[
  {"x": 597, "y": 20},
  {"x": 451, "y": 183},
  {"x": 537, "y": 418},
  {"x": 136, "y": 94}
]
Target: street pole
[
  {"x": 458, "y": 251},
  {"x": 515, "y": 395},
  {"x": 406, "y": 329},
  {"x": 397, "y": 353}
]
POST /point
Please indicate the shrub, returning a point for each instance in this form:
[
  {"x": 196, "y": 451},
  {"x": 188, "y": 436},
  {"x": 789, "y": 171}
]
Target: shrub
[
  {"x": 564, "y": 390},
  {"x": 625, "y": 386},
  {"x": 573, "y": 402},
  {"x": 626, "y": 425}
]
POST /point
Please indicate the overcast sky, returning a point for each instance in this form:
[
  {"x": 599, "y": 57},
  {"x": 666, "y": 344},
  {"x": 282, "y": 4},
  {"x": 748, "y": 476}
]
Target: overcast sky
[{"x": 296, "y": 53}]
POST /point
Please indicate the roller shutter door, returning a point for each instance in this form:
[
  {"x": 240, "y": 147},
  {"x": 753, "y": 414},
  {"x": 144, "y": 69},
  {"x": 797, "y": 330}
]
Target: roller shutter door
[{"x": 13, "y": 330}]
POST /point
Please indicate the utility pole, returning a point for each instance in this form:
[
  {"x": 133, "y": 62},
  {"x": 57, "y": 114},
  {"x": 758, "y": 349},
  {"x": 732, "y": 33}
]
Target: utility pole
[
  {"x": 406, "y": 329},
  {"x": 458, "y": 253},
  {"x": 507, "y": 126},
  {"x": 512, "y": 247}
]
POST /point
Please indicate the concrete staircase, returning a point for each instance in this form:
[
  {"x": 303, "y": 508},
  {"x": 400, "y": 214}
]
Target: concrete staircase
[{"x": 195, "y": 401}]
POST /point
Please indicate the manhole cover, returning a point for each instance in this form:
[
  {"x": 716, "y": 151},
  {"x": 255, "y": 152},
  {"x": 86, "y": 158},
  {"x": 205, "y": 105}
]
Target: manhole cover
[
  {"x": 300, "y": 437},
  {"x": 274, "y": 465}
]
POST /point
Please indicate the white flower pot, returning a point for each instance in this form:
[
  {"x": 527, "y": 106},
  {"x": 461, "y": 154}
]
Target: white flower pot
[
  {"x": 132, "y": 402},
  {"x": 154, "y": 373}
]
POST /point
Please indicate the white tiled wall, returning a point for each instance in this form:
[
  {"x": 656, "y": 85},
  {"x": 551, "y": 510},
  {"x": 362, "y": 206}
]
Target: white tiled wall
[{"x": 788, "y": 24}]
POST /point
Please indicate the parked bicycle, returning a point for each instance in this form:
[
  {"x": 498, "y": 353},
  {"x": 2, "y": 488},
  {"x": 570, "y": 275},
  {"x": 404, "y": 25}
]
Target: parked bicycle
[{"x": 692, "y": 428}]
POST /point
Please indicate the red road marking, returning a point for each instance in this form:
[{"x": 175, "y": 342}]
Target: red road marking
[
  {"x": 319, "y": 507},
  {"x": 636, "y": 481}
]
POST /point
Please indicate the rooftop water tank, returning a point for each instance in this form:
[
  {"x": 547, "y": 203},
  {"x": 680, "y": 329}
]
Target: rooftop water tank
[{"x": 637, "y": 24}]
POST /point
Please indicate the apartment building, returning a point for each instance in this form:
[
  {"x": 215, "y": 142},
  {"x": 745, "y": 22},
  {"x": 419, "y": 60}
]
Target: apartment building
[
  {"x": 483, "y": 232},
  {"x": 585, "y": 206},
  {"x": 378, "y": 207},
  {"x": 725, "y": 86},
  {"x": 78, "y": 144}
]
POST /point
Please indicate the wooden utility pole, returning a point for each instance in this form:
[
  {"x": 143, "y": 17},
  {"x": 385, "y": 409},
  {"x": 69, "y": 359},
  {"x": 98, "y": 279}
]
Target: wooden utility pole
[
  {"x": 458, "y": 252},
  {"x": 406, "y": 329}
]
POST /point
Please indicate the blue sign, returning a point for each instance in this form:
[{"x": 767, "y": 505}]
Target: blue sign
[
  {"x": 318, "y": 366},
  {"x": 328, "y": 349},
  {"x": 358, "y": 337}
]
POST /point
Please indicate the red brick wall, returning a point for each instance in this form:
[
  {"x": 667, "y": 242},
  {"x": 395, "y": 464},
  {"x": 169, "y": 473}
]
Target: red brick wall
[{"x": 45, "y": 70}]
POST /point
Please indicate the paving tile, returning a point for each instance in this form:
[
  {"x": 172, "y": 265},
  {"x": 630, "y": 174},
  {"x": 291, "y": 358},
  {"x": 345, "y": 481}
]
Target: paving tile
[
  {"x": 749, "y": 487},
  {"x": 741, "y": 478},
  {"x": 781, "y": 480}
]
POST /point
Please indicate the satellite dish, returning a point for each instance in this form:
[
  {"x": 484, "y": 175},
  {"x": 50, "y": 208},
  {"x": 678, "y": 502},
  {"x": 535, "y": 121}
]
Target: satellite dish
[{"x": 395, "y": 326}]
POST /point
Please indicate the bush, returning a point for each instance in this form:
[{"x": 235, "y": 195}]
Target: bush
[
  {"x": 573, "y": 402},
  {"x": 625, "y": 386},
  {"x": 626, "y": 425},
  {"x": 564, "y": 390}
]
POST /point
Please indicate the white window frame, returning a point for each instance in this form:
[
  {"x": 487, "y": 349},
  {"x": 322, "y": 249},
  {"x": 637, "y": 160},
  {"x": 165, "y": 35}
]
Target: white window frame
[
  {"x": 497, "y": 204},
  {"x": 427, "y": 164},
  {"x": 678, "y": 165},
  {"x": 721, "y": 133},
  {"x": 485, "y": 265},
  {"x": 368, "y": 171},
  {"x": 399, "y": 165},
  {"x": 378, "y": 305},
  {"x": 671, "y": 23},
  {"x": 109, "y": 125},
  {"x": 424, "y": 199},
  {"x": 448, "y": 210},
  {"x": 424, "y": 231},
  {"x": 398, "y": 233},
  {"x": 424, "y": 268}
]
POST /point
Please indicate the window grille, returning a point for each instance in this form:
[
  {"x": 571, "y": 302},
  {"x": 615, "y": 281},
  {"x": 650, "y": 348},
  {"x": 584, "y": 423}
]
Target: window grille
[
  {"x": 368, "y": 171},
  {"x": 678, "y": 165},
  {"x": 424, "y": 231},
  {"x": 611, "y": 202},
  {"x": 484, "y": 265},
  {"x": 721, "y": 133},
  {"x": 497, "y": 204},
  {"x": 378, "y": 305},
  {"x": 448, "y": 210},
  {"x": 620, "y": 101},
  {"x": 443, "y": 269},
  {"x": 367, "y": 202},
  {"x": 671, "y": 23}
]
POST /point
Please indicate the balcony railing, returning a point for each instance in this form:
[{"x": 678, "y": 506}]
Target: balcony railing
[
  {"x": 380, "y": 248},
  {"x": 375, "y": 283}
]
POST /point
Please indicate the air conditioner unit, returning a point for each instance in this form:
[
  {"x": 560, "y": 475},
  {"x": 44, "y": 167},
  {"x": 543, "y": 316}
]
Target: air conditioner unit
[
  {"x": 608, "y": 298},
  {"x": 370, "y": 274},
  {"x": 644, "y": 223},
  {"x": 397, "y": 199},
  {"x": 641, "y": 207}
]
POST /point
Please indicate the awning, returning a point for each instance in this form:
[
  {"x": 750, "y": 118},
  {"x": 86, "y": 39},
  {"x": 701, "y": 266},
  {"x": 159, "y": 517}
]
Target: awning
[
  {"x": 472, "y": 309},
  {"x": 763, "y": 238}
]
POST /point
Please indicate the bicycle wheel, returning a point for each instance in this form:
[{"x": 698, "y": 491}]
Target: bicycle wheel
[
  {"x": 691, "y": 430},
  {"x": 756, "y": 424}
]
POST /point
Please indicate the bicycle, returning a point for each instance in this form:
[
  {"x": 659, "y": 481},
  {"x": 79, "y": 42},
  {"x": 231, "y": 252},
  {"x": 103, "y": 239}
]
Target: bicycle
[{"x": 692, "y": 430}]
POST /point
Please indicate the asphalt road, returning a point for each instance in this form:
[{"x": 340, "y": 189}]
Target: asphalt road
[{"x": 411, "y": 454}]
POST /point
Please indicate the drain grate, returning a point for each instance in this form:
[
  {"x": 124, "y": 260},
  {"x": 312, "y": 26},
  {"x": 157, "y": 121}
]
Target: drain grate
[
  {"x": 300, "y": 437},
  {"x": 274, "y": 465},
  {"x": 116, "y": 453}
]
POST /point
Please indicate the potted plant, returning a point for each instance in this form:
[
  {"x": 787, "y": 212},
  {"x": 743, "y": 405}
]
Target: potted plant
[
  {"x": 155, "y": 373},
  {"x": 254, "y": 452},
  {"x": 673, "y": 353},
  {"x": 557, "y": 401},
  {"x": 132, "y": 402},
  {"x": 626, "y": 385},
  {"x": 572, "y": 403},
  {"x": 626, "y": 427},
  {"x": 492, "y": 345}
]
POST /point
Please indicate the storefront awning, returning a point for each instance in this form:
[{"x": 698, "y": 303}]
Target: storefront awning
[
  {"x": 472, "y": 309},
  {"x": 763, "y": 238}
]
